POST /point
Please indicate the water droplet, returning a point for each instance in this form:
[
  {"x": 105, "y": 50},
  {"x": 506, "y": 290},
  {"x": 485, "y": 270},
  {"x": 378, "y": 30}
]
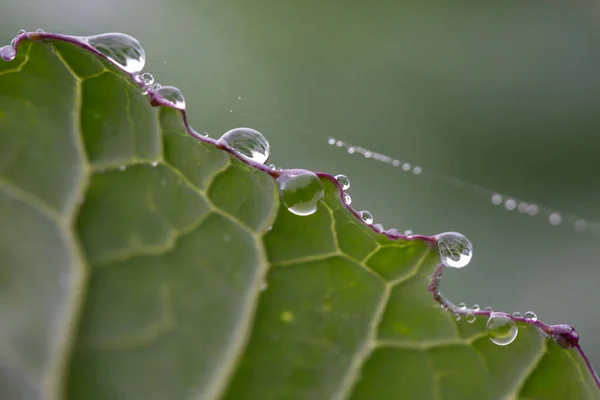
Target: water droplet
[
  {"x": 248, "y": 142},
  {"x": 39, "y": 30},
  {"x": 417, "y": 170},
  {"x": 368, "y": 154},
  {"x": 522, "y": 207},
  {"x": 455, "y": 249},
  {"x": 13, "y": 43},
  {"x": 532, "y": 209},
  {"x": 408, "y": 232},
  {"x": 366, "y": 216},
  {"x": 7, "y": 53},
  {"x": 497, "y": 199},
  {"x": 347, "y": 199},
  {"x": 444, "y": 307},
  {"x": 154, "y": 163},
  {"x": 555, "y": 219},
  {"x": 339, "y": 143},
  {"x": 457, "y": 317},
  {"x": 156, "y": 86},
  {"x": 501, "y": 329},
  {"x": 123, "y": 167},
  {"x": 22, "y": 31},
  {"x": 405, "y": 166},
  {"x": 470, "y": 317},
  {"x": 146, "y": 78},
  {"x": 351, "y": 150},
  {"x": 510, "y": 204},
  {"x": 530, "y": 316},
  {"x": 300, "y": 192},
  {"x": 565, "y": 336},
  {"x": 344, "y": 181},
  {"x": 173, "y": 95},
  {"x": 488, "y": 308},
  {"x": 121, "y": 49},
  {"x": 378, "y": 228},
  {"x": 395, "y": 163},
  {"x": 476, "y": 307},
  {"x": 517, "y": 314},
  {"x": 462, "y": 306},
  {"x": 331, "y": 141}
]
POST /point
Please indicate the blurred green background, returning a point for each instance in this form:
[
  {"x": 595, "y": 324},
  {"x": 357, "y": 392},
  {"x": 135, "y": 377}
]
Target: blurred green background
[{"x": 503, "y": 94}]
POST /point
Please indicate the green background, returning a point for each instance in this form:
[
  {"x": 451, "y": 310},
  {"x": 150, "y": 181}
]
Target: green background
[{"x": 502, "y": 94}]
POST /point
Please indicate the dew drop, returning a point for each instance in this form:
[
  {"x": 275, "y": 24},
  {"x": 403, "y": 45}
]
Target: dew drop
[
  {"x": 501, "y": 329},
  {"x": 248, "y": 142},
  {"x": 7, "y": 53},
  {"x": 347, "y": 199},
  {"x": 532, "y": 209},
  {"x": 172, "y": 95},
  {"x": 154, "y": 163},
  {"x": 331, "y": 141},
  {"x": 522, "y": 207},
  {"x": 555, "y": 219},
  {"x": 455, "y": 249},
  {"x": 497, "y": 199},
  {"x": 406, "y": 167},
  {"x": 510, "y": 204},
  {"x": 417, "y": 170},
  {"x": 123, "y": 167},
  {"x": 476, "y": 307},
  {"x": 530, "y": 316},
  {"x": 300, "y": 192},
  {"x": 343, "y": 181},
  {"x": 395, "y": 163},
  {"x": 457, "y": 317},
  {"x": 378, "y": 228},
  {"x": 123, "y": 50},
  {"x": 39, "y": 30},
  {"x": 517, "y": 314},
  {"x": 488, "y": 308},
  {"x": 351, "y": 150},
  {"x": 22, "y": 31},
  {"x": 462, "y": 306},
  {"x": 408, "y": 232},
  {"x": 13, "y": 43},
  {"x": 366, "y": 216},
  {"x": 470, "y": 317},
  {"x": 147, "y": 78}
]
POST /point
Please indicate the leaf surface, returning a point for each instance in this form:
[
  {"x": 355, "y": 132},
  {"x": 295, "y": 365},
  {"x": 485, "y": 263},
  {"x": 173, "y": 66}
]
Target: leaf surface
[{"x": 138, "y": 262}]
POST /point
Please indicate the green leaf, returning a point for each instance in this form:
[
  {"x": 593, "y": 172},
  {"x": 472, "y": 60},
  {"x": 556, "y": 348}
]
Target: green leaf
[{"x": 189, "y": 279}]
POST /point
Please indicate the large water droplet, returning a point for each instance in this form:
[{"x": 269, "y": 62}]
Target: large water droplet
[
  {"x": 501, "y": 329},
  {"x": 300, "y": 192},
  {"x": 171, "y": 94},
  {"x": 121, "y": 49},
  {"x": 455, "y": 249},
  {"x": 7, "y": 53},
  {"x": 248, "y": 142},
  {"x": 530, "y": 316},
  {"x": 470, "y": 317},
  {"x": 343, "y": 181},
  {"x": 366, "y": 216}
]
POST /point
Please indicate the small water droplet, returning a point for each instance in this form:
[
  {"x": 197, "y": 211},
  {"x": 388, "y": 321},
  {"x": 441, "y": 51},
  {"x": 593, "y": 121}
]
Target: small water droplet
[
  {"x": 146, "y": 78},
  {"x": 378, "y": 228},
  {"x": 417, "y": 170},
  {"x": 248, "y": 142},
  {"x": 154, "y": 163},
  {"x": 395, "y": 163},
  {"x": 331, "y": 141},
  {"x": 408, "y": 232},
  {"x": 476, "y": 307},
  {"x": 347, "y": 199},
  {"x": 462, "y": 306},
  {"x": 488, "y": 308},
  {"x": 7, "y": 53},
  {"x": 300, "y": 192},
  {"x": 22, "y": 31},
  {"x": 532, "y": 209},
  {"x": 351, "y": 150},
  {"x": 13, "y": 43},
  {"x": 497, "y": 199},
  {"x": 123, "y": 50},
  {"x": 501, "y": 329},
  {"x": 457, "y": 317},
  {"x": 530, "y": 316},
  {"x": 156, "y": 86},
  {"x": 368, "y": 154},
  {"x": 406, "y": 167},
  {"x": 339, "y": 143},
  {"x": 470, "y": 317},
  {"x": 171, "y": 94},
  {"x": 510, "y": 204},
  {"x": 517, "y": 314},
  {"x": 439, "y": 276},
  {"x": 39, "y": 30},
  {"x": 455, "y": 249},
  {"x": 123, "y": 167},
  {"x": 366, "y": 216},
  {"x": 239, "y": 97},
  {"x": 343, "y": 181},
  {"x": 522, "y": 207},
  {"x": 555, "y": 219}
]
